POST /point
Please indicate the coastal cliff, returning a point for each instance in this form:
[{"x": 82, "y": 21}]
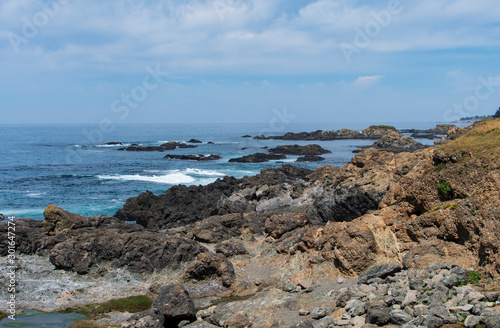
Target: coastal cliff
[{"x": 283, "y": 239}]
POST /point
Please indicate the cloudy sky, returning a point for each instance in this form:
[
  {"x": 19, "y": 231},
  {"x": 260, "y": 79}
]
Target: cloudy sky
[{"x": 172, "y": 61}]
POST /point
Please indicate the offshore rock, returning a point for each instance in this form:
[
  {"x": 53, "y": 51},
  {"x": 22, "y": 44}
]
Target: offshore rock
[
  {"x": 299, "y": 150},
  {"x": 396, "y": 143},
  {"x": 194, "y": 157},
  {"x": 257, "y": 158}
]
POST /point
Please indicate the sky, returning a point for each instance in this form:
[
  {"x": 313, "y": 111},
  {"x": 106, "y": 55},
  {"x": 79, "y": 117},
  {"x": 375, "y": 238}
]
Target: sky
[{"x": 228, "y": 61}]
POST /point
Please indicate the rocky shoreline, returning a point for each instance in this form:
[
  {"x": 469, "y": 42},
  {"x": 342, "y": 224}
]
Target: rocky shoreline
[{"x": 389, "y": 238}]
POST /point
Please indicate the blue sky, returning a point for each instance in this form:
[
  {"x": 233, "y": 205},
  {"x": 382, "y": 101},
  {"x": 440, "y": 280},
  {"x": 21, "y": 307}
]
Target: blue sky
[{"x": 222, "y": 61}]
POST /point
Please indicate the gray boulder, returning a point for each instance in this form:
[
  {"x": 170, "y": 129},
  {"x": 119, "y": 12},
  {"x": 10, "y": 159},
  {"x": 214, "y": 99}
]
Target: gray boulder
[{"x": 379, "y": 271}]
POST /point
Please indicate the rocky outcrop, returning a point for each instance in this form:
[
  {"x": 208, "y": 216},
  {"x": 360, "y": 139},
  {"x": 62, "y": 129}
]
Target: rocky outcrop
[
  {"x": 181, "y": 205},
  {"x": 299, "y": 150},
  {"x": 195, "y": 141},
  {"x": 257, "y": 158},
  {"x": 440, "y": 129},
  {"x": 194, "y": 157},
  {"x": 372, "y": 132},
  {"x": 163, "y": 147},
  {"x": 396, "y": 143},
  {"x": 81, "y": 244}
]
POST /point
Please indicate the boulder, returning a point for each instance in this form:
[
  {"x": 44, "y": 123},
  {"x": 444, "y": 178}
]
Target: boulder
[
  {"x": 174, "y": 303},
  {"x": 379, "y": 271}
]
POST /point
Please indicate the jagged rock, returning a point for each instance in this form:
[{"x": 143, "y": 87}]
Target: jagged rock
[
  {"x": 194, "y": 157},
  {"x": 79, "y": 244},
  {"x": 379, "y": 271},
  {"x": 174, "y": 304},
  {"x": 210, "y": 266},
  {"x": 299, "y": 150},
  {"x": 195, "y": 141},
  {"x": 279, "y": 224},
  {"x": 257, "y": 158}
]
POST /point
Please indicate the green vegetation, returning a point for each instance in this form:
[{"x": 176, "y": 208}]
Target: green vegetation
[
  {"x": 385, "y": 127},
  {"x": 445, "y": 191},
  {"x": 474, "y": 277},
  {"x": 482, "y": 139},
  {"x": 438, "y": 167},
  {"x": 497, "y": 114},
  {"x": 15, "y": 324},
  {"x": 130, "y": 304},
  {"x": 3, "y": 315}
]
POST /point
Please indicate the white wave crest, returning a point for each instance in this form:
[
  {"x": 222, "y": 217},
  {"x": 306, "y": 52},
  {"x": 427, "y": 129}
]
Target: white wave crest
[{"x": 172, "y": 178}]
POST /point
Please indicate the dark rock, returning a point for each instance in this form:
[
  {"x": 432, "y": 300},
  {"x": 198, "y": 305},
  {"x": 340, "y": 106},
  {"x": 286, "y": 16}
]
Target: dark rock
[
  {"x": 209, "y": 266},
  {"x": 231, "y": 248},
  {"x": 79, "y": 244},
  {"x": 210, "y": 143},
  {"x": 379, "y": 271},
  {"x": 310, "y": 158},
  {"x": 247, "y": 136},
  {"x": 163, "y": 147},
  {"x": 429, "y": 136},
  {"x": 114, "y": 143},
  {"x": 195, "y": 141},
  {"x": 378, "y": 315},
  {"x": 279, "y": 224},
  {"x": 257, "y": 158},
  {"x": 181, "y": 205},
  {"x": 174, "y": 304},
  {"x": 194, "y": 157},
  {"x": 299, "y": 150}
]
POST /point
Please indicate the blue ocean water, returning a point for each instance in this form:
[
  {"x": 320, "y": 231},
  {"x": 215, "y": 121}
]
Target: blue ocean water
[{"x": 72, "y": 167}]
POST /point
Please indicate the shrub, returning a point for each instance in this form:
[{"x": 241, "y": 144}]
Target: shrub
[
  {"x": 444, "y": 190},
  {"x": 474, "y": 277}
]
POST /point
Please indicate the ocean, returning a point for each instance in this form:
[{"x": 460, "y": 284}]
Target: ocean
[{"x": 73, "y": 167}]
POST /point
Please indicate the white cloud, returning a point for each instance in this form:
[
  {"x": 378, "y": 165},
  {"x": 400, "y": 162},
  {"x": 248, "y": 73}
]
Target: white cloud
[{"x": 366, "y": 81}]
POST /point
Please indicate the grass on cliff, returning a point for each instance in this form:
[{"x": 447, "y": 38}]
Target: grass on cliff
[
  {"x": 483, "y": 140},
  {"x": 132, "y": 304}
]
